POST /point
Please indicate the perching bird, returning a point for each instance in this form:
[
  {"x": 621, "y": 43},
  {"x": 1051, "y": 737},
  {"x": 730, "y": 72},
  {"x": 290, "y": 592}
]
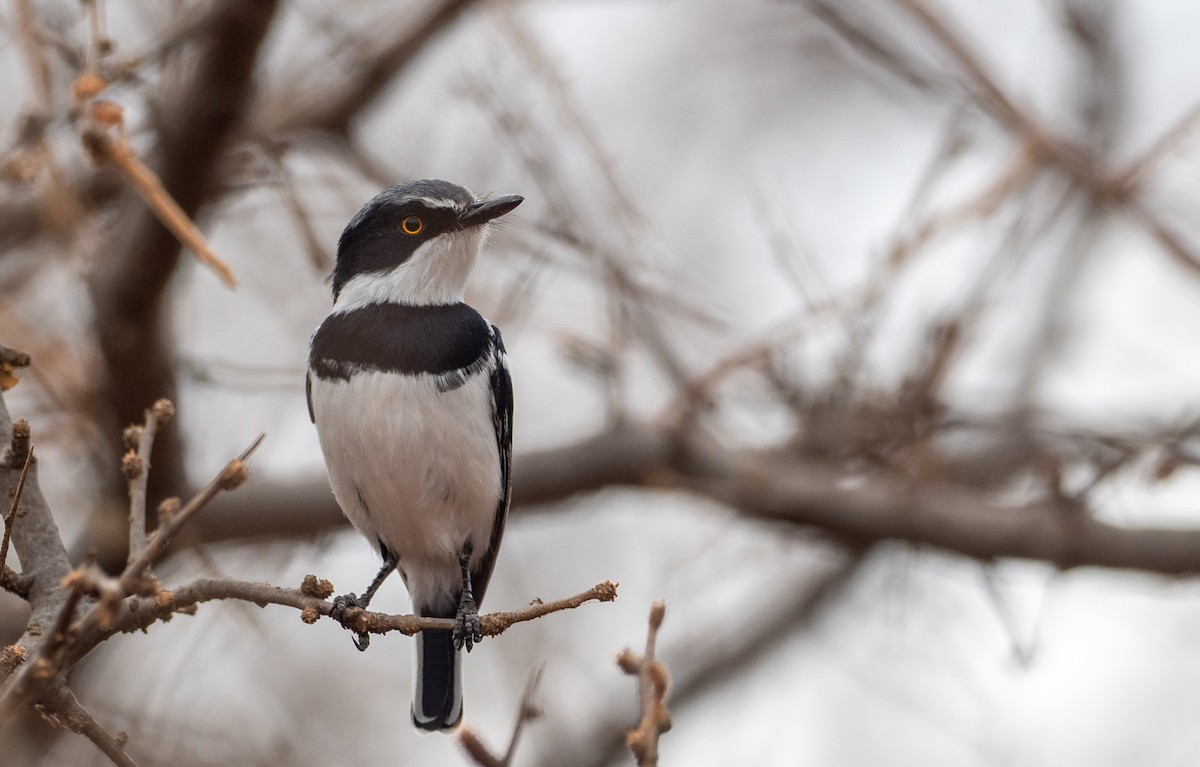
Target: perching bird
[{"x": 410, "y": 392}]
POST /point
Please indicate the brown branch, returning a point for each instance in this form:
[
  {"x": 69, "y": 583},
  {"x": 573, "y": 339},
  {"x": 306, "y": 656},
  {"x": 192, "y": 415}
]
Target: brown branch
[
  {"x": 107, "y": 150},
  {"x": 137, "y": 469},
  {"x": 195, "y": 122},
  {"x": 69, "y": 640},
  {"x": 333, "y": 106},
  {"x": 857, "y": 507},
  {"x": 38, "y": 544},
  {"x": 527, "y": 712},
  {"x": 10, "y": 519},
  {"x": 229, "y": 478},
  {"x": 35, "y": 539},
  {"x": 63, "y": 710},
  {"x": 652, "y": 682},
  {"x": 1073, "y": 158},
  {"x": 35, "y": 55},
  {"x": 493, "y": 624}
]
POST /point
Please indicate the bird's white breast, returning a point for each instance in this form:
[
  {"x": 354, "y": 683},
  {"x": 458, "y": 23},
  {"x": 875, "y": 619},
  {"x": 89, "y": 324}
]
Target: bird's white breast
[{"x": 413, "y": 467}]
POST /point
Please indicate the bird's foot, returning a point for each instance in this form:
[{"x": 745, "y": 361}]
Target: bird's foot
[
  {"x": 340, "y": 605},
  {"x": 467, "y": 628}
]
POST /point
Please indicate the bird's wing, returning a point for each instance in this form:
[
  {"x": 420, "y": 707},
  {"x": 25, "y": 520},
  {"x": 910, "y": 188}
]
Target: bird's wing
[
  {"x": 308, "y": 395},
  {"x": 502, "y": 416}
]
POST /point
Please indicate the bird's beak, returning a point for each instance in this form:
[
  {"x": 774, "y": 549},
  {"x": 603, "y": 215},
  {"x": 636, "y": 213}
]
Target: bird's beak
[{"x": 482, "y": 211}]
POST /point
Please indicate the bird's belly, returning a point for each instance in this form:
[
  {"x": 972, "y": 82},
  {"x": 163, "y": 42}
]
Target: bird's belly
[{"x": 412, "y": 467}]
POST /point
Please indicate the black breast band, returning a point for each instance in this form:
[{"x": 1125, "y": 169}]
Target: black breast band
[{"x": 395, "y": 338}]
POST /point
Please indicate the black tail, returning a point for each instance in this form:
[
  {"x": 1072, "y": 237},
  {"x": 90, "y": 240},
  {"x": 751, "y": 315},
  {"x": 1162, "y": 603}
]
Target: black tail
[{"x": 437, "y": 696}]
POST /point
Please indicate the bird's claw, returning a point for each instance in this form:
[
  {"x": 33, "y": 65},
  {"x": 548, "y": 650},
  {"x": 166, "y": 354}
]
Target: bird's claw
[
  {"x": 467, "y": 628},
  {"x": 341, "y": 604}
]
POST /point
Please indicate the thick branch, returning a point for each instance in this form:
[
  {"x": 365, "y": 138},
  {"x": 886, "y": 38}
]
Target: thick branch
[
  {"x": 861, "y": 508},
  {"x": 34, "y": 535}
]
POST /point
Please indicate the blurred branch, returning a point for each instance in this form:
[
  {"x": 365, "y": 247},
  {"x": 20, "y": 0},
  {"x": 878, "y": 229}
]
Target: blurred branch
[
  {"x": 196, "y": 120},
  {"x": 64, "y": 709},
  {"x": 705, "y": 661},
  {"x": 652, "y": 684},
  {"x": 527, "y": 712},
  {"x": 333, "y": 105},
  {"x": 107, "y": 150},
  {"x": 858, "y": 507}
]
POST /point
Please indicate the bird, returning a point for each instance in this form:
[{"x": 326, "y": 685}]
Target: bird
[{"x": 411, "y": 395}]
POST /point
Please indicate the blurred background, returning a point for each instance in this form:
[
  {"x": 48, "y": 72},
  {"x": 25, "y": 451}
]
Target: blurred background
[{"x": 863, "y": 332}]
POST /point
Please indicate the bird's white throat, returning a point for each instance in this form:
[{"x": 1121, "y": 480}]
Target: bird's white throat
[{"x": 436, "y": 273}]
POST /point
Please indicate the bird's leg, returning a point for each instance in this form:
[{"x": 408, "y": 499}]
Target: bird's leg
[
  {"x": 467, "y": 629},
  {"x": 342, "y": 603}
]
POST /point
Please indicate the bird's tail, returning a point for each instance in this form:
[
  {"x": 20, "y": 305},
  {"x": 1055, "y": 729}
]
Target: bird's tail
[{"x": 437, "y": 694}]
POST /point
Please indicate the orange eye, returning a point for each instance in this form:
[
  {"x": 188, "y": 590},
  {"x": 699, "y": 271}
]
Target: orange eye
[{"x": 412, "y": 225}]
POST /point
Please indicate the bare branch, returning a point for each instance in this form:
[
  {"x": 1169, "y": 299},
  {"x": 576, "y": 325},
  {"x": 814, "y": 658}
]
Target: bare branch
[
  {"x": 107, "y": 150},
  {"x": 229, "y": 478},
  {"x": 857, "y": 507},
  {"x": 493, "y": 624},
  {"x": 652, "y": 691},
  {"x": 8, "y": 578},
  {"x": 36, "y": 538},
  {"x": 527, "y": 712},
  {"x": 333, "y": 106},
  {"x": 67, "y": 709},
  {"x": 138, "y": 471},
  {"x": 195, "y": 122}
]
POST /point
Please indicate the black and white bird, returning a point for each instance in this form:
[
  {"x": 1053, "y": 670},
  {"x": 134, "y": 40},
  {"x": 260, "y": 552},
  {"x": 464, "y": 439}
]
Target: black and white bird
[{"x": 410, "y": 392}]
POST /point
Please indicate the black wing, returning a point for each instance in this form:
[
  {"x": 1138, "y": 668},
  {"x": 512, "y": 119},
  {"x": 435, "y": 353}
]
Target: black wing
[
  {"x": 502, "y": 417},
  {"x": 308, "y": 395}
]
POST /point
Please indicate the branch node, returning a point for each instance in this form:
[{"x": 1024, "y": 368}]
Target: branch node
[
  {"x": 11, "y": 656},
  {"x": 132, "y": 436},
  {"x": 163, "y": 410},
  {"x": 167, "y": 509},
  {"x": 131, "y": 465},
  {"x": 19, "y": 449},
  {"x": 234, "y": 475},
  {"x": 318, "y": 588}
]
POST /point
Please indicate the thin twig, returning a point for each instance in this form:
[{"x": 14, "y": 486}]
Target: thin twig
[
  {"x": 75, "y": 717},
  {"x": 229, "y": 478},
  {"x": 493, "y": 624},
  {"x": 35, "y": 54},
  {"x": 98, "y": 42},
  {"x": 77, "y": 639},
  {"x": 1140, "y": 168},
  {"x": 117, "y": 153},
  {"x": 528, "y": 711},
  {"x": 11, "y": 518},
  {"x": 138, "y": 471}
]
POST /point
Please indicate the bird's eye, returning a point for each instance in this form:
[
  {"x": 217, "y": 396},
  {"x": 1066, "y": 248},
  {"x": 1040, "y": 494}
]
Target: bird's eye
[{"x": 412, "y": 225}]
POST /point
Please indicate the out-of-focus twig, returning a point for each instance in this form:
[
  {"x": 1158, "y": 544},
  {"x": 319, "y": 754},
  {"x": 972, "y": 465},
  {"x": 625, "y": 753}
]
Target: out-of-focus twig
[
  {"x": 528, "y": 711},
  {"x": 116, "y": 152},
  {"x": 652, "y": 682}
]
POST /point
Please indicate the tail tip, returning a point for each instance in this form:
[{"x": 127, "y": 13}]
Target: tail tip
[{"x": 437, "y": 722}]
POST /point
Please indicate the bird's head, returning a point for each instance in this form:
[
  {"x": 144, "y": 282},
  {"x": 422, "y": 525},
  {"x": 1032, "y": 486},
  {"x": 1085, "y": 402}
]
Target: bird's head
[{"x": 414, "y": 243}]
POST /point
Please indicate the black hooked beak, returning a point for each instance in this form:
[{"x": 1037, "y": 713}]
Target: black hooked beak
[{"x": 482, "y": 211}]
